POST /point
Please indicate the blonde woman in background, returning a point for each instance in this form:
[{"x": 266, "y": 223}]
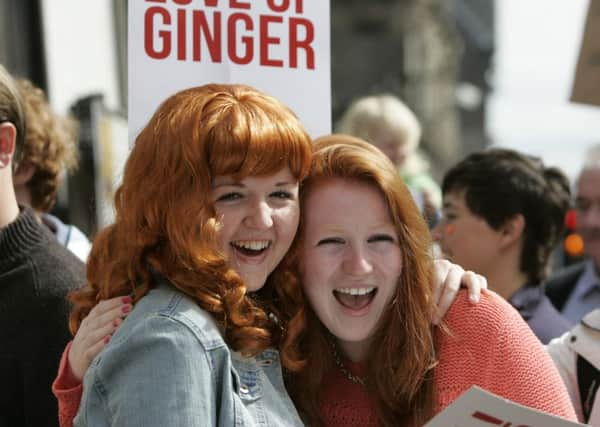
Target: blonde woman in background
[{"x": 386, "y": 122}]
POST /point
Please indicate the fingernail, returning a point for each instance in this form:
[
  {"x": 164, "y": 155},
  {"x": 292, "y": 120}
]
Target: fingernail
[
  {"x": 126, "y": 300},
  {"x": 117, "y": 322},
  {"x": 126, "y": 308},
  {"x": 106, "y": 339},
  {"x": 474, "y": 298}
]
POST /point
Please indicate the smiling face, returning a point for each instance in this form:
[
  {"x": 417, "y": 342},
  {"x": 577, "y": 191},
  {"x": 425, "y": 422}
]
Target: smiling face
[
  {"x": 259, "y": 218},
  {"x": 350, "y": 260}
]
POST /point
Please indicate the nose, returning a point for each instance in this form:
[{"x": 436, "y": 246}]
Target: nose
[
  {"x": 357, "y": 262},
  {"x": 437, "y": 231},
  {"x": 259, "y": 216},
  {"x": 589, "y": 217}
]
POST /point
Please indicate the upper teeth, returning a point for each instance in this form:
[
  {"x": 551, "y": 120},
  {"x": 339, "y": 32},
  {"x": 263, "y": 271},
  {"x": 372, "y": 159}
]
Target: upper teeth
[
  {"x": 355, "y": 291},
  {"x": 255, "y": 245}
]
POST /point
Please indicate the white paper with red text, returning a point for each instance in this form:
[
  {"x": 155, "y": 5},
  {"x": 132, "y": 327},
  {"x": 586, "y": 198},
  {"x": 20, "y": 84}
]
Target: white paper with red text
[
  {"x": 279, "y": 46},
  {"x": 479, "y": 408}
]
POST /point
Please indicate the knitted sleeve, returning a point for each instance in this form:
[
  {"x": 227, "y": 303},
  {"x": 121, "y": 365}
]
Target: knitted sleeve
[
  {"x": 490, "y": 345},
  {"x": 67, "y": 391}
]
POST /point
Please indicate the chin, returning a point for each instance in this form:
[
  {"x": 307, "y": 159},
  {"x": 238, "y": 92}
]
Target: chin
[{"x": 253, "y": 285}]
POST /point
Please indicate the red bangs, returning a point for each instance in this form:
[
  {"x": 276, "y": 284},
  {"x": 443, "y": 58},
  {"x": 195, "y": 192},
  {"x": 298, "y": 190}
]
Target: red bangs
[{"x": 258, "y": 143}]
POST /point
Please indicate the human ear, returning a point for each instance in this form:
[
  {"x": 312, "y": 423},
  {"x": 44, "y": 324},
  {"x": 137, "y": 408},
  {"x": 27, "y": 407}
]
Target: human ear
[
  {"x": 8, "y": 134},
  {"x": 512, "y": 230},
  {"x": 23, "y": 173}
]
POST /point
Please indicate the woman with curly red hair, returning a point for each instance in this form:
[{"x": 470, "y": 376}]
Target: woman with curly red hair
[{"x": 207, "y": 208}]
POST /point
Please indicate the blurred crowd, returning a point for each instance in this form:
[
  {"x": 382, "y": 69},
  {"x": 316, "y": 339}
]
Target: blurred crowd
[{"x": 499, "y": 213}]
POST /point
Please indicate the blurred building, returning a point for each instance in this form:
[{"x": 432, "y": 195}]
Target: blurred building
[
  {"x": 76, "y": 52},
  {"x": 433, "y": 54}
]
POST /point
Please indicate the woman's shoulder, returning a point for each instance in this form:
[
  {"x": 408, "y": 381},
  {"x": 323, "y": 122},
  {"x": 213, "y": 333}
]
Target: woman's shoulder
[
  {"x": 493, "y": 321},
  {"x": 166, "y": 310},
  {"x": 491, "y": 313}
]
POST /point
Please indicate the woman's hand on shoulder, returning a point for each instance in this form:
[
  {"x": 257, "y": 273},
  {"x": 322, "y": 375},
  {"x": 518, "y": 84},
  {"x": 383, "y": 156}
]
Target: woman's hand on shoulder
[
  {"x": 95, "y": 332},
  {"x": 447, "y": 279}
]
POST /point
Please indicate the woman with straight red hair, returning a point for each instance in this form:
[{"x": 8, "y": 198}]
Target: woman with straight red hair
[{"x": 372, "y": 356}]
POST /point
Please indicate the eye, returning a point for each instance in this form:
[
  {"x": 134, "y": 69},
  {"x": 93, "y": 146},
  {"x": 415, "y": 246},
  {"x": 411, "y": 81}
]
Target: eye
[
  {"x": 582, "y": 205},
  {"x": 381, "y": 238},
  {"x": 229, "y": 197},
  {"x": 282, "y": 195},
  {"x": 331, "y": 240},
  {"x": 449, "y": 217}
]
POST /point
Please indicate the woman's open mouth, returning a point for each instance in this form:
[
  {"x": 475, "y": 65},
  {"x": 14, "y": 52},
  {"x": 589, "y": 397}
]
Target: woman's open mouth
[
  {"x": 250, "y": 248},
  {"x": 355, "y": 298}
]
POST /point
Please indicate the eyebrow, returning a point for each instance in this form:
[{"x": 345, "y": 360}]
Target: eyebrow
[
  {"x": 240, "y": 185},
  {"x": 448, "y": 204}
]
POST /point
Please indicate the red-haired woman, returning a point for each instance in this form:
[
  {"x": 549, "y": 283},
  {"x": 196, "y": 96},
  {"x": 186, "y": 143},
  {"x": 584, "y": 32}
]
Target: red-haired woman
[
  {"x": 207, "y": 209},
  {"x": 372, "y": 355}
]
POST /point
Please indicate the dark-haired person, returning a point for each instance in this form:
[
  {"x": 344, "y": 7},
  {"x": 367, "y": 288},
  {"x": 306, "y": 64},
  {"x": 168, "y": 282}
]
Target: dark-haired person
[
  {"x": 503, "y": 214},
  {"x": 36, "y": 273}
]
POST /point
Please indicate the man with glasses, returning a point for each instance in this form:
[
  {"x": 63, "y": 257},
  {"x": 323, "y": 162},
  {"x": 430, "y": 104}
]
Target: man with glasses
[{"x": 575, "y": 290}]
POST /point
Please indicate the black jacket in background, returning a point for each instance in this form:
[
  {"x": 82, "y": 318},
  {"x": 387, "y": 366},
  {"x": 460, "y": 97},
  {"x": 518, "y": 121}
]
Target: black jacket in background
[
  {"x": 560, "y": 286},
  {"x": 36, "y": 273}
]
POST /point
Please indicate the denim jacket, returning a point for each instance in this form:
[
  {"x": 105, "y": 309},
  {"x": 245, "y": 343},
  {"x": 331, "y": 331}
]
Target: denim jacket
[{"x": 168, "y": 365}]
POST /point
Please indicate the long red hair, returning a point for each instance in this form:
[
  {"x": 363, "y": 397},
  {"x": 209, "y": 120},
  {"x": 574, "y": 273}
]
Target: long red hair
[
  {"x": 165, "y": 218},
  {"x": 402, "y": 354}
]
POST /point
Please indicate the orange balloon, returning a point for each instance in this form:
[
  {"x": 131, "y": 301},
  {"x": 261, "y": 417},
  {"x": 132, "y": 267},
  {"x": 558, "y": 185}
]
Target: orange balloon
[{"x": 573, "y": 245}]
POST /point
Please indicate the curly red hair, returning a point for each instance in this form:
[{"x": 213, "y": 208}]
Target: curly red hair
[
  {"x": 165, "y": 218},
  {"x": 402, "y": 355}
]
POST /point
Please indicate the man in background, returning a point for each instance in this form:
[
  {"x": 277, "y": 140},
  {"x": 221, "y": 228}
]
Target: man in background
[
  {"x": 503, "y": 215},
  {"x": 575, "y": 290},
  {"x": 36, "y": 273}
]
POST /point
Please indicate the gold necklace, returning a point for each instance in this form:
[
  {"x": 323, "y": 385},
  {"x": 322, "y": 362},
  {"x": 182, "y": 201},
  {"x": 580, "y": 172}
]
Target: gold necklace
[{"x": 340, "y": 365}]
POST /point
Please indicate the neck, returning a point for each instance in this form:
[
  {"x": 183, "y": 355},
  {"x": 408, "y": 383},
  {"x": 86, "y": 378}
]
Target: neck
[
  {"x": 506, "y": 279},
  {"x": 23, "y": 196},
  {"x": 9, "y": 209},
  {"x": 356, "y": 351}
]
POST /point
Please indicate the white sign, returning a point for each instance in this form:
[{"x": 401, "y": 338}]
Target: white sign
[
  {"x": 278, "y": 46},
  {"x": 479, "y": 408}
]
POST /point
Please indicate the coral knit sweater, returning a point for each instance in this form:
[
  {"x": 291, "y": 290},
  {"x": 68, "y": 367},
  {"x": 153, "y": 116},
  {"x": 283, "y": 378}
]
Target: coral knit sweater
[{"x": 489, "y": 345}]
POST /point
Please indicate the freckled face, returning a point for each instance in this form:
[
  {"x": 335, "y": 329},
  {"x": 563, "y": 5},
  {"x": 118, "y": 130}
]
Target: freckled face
[
  {"x": 351, "y": 260},
  {"x": 259, "y": 218}
]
